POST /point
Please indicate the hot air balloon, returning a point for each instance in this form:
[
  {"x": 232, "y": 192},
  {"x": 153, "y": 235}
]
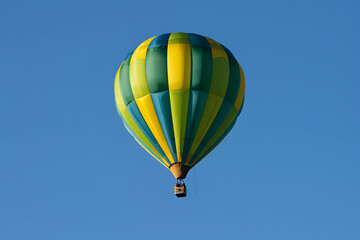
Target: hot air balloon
[{"x": 179, "y": 95}]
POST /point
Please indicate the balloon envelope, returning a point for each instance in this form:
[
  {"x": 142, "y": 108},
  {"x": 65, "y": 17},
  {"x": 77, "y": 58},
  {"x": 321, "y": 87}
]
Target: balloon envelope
[{"x": 179, "y": 95}]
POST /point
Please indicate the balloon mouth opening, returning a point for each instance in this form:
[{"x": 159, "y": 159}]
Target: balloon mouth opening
[{"x": 179, "y": 170}]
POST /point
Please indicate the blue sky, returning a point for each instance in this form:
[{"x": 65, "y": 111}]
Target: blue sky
[{"x": 288, "y": 170}]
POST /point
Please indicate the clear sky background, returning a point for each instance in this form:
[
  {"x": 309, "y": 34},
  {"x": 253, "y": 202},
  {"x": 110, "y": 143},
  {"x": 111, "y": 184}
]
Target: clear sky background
[{"x": 288, "y": 170}]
